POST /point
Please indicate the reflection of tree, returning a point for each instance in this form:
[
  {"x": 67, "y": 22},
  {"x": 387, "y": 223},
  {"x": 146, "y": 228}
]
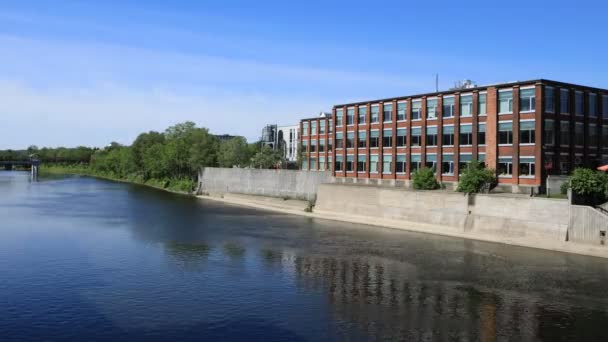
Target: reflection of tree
[
  {"x": 188, "y": 255},
  {"x": 234, "y": 250},
  {"x": 270, "y": 257}
]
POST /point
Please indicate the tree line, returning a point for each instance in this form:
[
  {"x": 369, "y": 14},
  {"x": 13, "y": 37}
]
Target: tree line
[{"x": 166, "y": 159}]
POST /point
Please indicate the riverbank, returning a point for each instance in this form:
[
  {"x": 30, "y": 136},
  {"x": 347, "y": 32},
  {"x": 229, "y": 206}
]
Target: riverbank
[
  {"x": 290, "y": 207},
  {"x": 182, "y": 187}
]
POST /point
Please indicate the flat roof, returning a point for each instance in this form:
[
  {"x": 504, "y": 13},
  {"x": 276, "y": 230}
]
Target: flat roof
[{"x": 465, "y": 90}]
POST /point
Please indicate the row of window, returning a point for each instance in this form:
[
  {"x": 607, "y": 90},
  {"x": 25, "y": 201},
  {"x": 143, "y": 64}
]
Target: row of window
[
  {"x": 321, "y": 147},
  {"x": 565, "y": 138},
  {"x": 466, "y": 110},
  {"x": 592, "y": 102},
  {"x": 324, "y": 164},
  {"x": 313, "y": 127}
]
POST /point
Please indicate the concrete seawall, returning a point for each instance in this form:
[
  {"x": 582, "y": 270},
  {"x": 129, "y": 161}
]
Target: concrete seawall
[
  {"x": 292, "y": 184},
  {"x": 500, "y": 216}
]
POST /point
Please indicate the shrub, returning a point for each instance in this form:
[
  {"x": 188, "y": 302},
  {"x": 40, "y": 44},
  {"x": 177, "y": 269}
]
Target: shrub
[
  {"x": 424, "y": 179},
  {"x": 475, "y": 177},
  {"x": 563, "y": 189},
  {"x": 587, "y": 182}
]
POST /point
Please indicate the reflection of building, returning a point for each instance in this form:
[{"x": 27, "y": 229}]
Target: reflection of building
[
  {"x": 524, "y": 130},
  {"x": 285, "y": 138}
]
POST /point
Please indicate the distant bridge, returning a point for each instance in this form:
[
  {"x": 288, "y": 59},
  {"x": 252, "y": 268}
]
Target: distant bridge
[{"x": 32, "y": 164}]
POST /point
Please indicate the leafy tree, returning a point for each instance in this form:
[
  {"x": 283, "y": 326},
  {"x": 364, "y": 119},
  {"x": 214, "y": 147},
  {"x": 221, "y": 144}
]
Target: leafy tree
[
  {"x": 267, "y": 158},
  {"x": 475, "y": 177},
  {"x": 142, "y": 143},
  {"x": 234, "y": 152},
  {"x": 424, "y": 179}
]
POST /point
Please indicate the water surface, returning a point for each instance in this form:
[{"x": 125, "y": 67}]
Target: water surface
[{"x": 88, "y": 260}]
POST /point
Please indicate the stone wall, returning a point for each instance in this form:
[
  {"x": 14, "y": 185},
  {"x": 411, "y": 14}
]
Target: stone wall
[{"x": 291, "y": 184}]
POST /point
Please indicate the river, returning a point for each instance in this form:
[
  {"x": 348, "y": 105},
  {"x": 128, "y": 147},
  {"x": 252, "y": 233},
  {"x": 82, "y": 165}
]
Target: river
[{"x": 84, "y": 259}]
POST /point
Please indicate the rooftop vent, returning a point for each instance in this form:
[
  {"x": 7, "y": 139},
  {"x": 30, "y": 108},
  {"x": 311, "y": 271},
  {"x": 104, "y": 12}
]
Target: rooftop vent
[{"x": 464, "y": 84}]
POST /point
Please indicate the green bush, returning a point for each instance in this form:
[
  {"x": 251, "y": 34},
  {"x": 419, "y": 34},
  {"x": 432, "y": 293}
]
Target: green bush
[
  {"x": 588, "y": 182},
  {"x": 424, "y": 179},
  {"x": 475, "y": 177},
  {"x": 563, "y": 189}
]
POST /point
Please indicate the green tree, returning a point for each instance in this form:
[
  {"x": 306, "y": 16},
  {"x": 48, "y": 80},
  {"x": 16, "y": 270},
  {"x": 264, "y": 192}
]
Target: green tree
[
  {"x": 475, "y": 177},
  {"x": 424, "y": 179},
  {"x": 142, "y": 143},
  {"x": 234, "y": 152},
  {"x": 267, "y": 158},
  {"x": 587, "y": 182}
]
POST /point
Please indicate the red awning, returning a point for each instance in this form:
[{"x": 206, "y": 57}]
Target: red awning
[{"x": 603, "y": 168}]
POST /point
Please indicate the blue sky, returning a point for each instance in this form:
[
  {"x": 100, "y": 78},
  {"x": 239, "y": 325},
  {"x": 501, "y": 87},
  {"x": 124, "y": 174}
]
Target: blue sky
[{"x": 91, "y": 72}]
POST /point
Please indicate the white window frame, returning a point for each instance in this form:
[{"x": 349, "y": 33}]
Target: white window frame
[
  {"x": 509, "y": 103},
  {"x": 529, "y": 99}
]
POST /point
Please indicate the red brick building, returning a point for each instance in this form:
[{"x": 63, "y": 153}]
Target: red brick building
[{"x": 524, "y": 130}]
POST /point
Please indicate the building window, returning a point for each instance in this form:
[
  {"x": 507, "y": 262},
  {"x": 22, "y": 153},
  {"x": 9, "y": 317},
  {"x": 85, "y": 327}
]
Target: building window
[
  {"x": 313, "y": 164},
  {"x": 466, "y": 105},
  {"x": 448, "y": 107},
  {"x": 527, "y": 100},
  {"x": 505, "y": 101},
  {"x": 387, "y": 138},
  {"x": 416, "y": 110},
  {"x": 304, "y": 146},
  {"x": 549, "y": 136},
  {"x": 322, "y": 127},
  {"x": 313, "y": 128},
  {"x": 564, "y": 136},
  {"x": 387, "y": 160},
  {"x": 322, "y": 145},
  {"x": 387, "y": 112},
  {"x": 375, "y": 111},
  {"x": 592, "y": 135},
  {"x": 374, "y": 137},
  {"x": 481, "y": 157},
  {"x": 329, "y": 164},
  {"x": 505, "y": 166},
  {"x": 447, "y": 136},
  {"x": 362, "y": 139},
  {"x": 481, "y": 134},
  {"x": 321, "y": 163},
  {"x": 527, "y": 167},
  {"x": 339, "y": 117},
  {"x": 313, "y": 146},
  {"x": 431, "y": 136},
  {"x": 401, "y": 111},
  {"x": 339, "y": 140},
  {"x": 401, "y": 137},
  {"x": 447, "y": 164},
  {"x": 463, "y": 162},
  {"x": 605, "y": 136},
  {"x": 350, "y": 116},
  {"x": 579, "y": 134},
  {"x": 373, "y": 163},
  {"x": 564, "y": 101},
  {"x": 362, "y": 114},
  {"x": 527, "y": 132},
  {"x": 578, "y": 103},
  {"x": 350, "y": 163},
  {"x": 431, "y": 108},
  {"x": 505, "y": 133},
  {"x": 592, "y": 110},
  {"x": 329, "y": 145},
  {"x": 339, "y": 162},
  {"x": 416, "y": 139},
  {"x": 400, "y": 164},
  {"x": 350, "y": 139},
  {"x": 431, "y": 162},
  {"x": 466, "y": 135},
  {"x": 305, "y": 164},
  {"x": 416, "y": 163},
  {"x": 605, "y": 106},
  {"x": 305, "y": 128},
  {"x": 549, "y": 99},
  {"x": 361, "y": 163},
  {"x": 482, "y": 108},
  {"x": 331, "y": 126}
]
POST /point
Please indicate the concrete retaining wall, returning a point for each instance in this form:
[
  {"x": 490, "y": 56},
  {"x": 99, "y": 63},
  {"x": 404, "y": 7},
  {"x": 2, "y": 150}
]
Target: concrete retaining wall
[
  {"x": 504, "y": 216},
  {"x": 291, "y": 184}
]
